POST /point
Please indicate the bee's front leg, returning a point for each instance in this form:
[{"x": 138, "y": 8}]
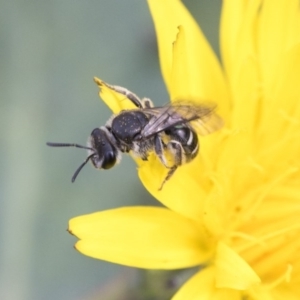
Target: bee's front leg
[{"x": 130, "y": 95}]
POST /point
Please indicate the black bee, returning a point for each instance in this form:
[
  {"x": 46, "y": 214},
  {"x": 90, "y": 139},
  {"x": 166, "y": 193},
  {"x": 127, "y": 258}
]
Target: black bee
[{"x": 167, "y": 130}]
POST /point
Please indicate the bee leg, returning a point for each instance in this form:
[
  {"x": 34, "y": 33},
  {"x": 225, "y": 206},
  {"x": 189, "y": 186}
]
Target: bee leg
[
  {"x": 130, "y": 95},
  {"x": 169, "y": 175},
  {"x": 175, "y": 148},
  {"x": 158, "y": 148},
  {"x": 177, "y": 151}
]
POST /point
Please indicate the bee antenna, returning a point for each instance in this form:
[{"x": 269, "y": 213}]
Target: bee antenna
[
  {"x": 77, "y": 146},
  {"x": 68, "y": 145},
  {"x": 82, "y": 165}
]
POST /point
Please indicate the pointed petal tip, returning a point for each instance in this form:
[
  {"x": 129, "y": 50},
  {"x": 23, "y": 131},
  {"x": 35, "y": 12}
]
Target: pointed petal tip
[{"x": 98, "y": 81}]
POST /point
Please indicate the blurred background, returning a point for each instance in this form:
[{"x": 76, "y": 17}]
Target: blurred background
[{"x": 50, "y": 51}]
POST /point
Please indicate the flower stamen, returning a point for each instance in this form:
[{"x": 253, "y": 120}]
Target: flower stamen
[
  {"x": 285, "y": 277},
  {"x": 267, "y": 189}
]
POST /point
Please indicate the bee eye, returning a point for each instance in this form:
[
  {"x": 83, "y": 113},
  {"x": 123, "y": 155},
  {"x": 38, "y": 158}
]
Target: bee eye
[{"x": 109, "y": 160}]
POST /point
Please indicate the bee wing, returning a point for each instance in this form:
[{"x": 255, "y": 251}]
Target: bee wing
[
  {"x": 202, "y": 118},
  {"x": 207, "y": 124}
]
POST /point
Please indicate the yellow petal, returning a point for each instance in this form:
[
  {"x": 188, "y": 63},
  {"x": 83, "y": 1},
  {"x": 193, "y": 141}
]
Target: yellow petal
[
  {"x": 145, "y": 237},
  {"x": 278, "y": 31},
  {"x": 232, "y": 271},
  {"x": 232, "y": 18},
  {"x": 247, "y": 97},
  {"x": 114, "y": 100},
  {"x": 202, "y": 286},
  {"x": 184, "y": 192},
  {"x": 261, "y": 293},
  {"x": 238, "y": 35},
  {"x": 191, "y": 70},
  {"x": 287, "y": 291},
  {"x": 238, "y": 43},
  {"x": 281, "y": 109}
]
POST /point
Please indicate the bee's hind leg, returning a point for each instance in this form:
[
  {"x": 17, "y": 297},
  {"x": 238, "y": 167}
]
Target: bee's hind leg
[
  {"x": 169, "y": 175},
  {"x": 176, "y": 150},
  {"x": 178, "y": 154},
  {"x": 159, "y": 149}
]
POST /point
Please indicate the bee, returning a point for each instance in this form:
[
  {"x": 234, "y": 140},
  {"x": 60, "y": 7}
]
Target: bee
[{"x": 171, "y": 130}]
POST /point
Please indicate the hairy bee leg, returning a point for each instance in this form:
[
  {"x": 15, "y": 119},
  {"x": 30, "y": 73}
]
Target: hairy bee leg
[
  {"x": 178, "y": 152},
  {"x": 169, "y": 175},
  {"x": 130, "y": 95},
  {"x": 176, "y": 149},
  {"x": 140, "y": 103},
  {"x": 158, "y": 148}
]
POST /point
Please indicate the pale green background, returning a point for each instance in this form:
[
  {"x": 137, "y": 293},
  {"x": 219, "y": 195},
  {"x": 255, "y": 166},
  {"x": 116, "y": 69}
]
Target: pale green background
[{"x": 50, "y": 51}]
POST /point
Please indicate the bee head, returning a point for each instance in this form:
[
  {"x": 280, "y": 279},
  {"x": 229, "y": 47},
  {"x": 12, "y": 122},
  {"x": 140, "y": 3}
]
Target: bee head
[
  {"x": 104, "y": 154},
  {"x": 101, "y": 151}
]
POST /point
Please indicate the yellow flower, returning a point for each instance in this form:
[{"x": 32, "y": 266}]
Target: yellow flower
[{"x": 236, "y": 208}]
